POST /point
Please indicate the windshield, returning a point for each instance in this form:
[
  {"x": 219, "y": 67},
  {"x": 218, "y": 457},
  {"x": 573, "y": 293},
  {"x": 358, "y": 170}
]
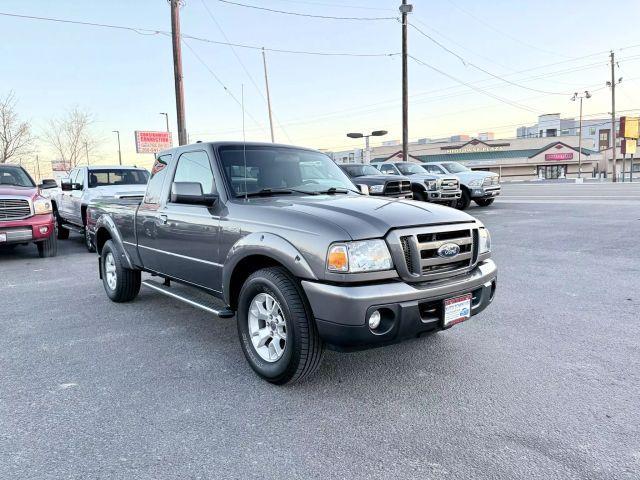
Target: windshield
[
  {"x": 409, "y": 168},
  {"x": 281, "y": 168},
  {"x": 104, "y": 177},
  {"x": 455, "y": 167},
  {"x": 15, "y": 176},
  {"x": 360, "y": 170}
]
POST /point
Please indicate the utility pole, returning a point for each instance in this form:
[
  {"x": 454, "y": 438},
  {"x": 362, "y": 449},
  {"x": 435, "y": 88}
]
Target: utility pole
[
  {"x": 613, "y": 115},
  {"x": 266, "y": 82},
  {"x": 575, "y": 97},
  {"x": 38, "y": 168},
  {"x": 177, "y": 70},
  {"x": 117, "y": 132},
  {"x": 405, "y": 9}
]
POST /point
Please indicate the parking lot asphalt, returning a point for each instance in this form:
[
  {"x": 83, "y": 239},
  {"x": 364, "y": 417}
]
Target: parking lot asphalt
[{"x": 545, "y": 384}]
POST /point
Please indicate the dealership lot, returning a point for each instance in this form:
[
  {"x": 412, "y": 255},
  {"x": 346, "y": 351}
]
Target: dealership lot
[{"x": 544, "y": 384}]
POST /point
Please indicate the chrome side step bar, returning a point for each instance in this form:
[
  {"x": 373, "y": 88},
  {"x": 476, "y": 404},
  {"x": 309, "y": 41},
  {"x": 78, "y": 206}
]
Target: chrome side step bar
[{"x": 195, "y": 298}]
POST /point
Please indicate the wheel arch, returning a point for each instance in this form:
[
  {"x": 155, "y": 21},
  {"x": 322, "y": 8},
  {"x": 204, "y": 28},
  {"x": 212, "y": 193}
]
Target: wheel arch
[{"x": 257, "y": 251}]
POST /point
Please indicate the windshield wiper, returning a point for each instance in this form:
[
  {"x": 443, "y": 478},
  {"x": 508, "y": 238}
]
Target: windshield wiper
[
  {"x": 265, "y": 192},
  {"x": 334, "y": 190}
]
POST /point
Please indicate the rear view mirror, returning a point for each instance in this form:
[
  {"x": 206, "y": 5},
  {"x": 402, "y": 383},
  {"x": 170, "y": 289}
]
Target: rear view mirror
[
  {"x": 48, "y": 183},
  {"x": 364, "y": 189},
  {"x": 190, "y": 193},
  {"x": 67, "y": 186}
]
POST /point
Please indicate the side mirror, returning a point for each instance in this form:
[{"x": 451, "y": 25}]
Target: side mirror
[
  {"x": 190, "y": 193},
  {"x": 48, "y": 183},
  {"x": 66, "y": 185},
  {"x": 364, "y": 189}
]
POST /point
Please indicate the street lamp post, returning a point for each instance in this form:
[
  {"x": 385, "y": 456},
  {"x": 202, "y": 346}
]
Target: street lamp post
[
  {"x": 117, "y": 132},
  {"x": 375, "y": 133},
  {"x": 580, "y": 97},
  {"x": 166, "y": 116}
]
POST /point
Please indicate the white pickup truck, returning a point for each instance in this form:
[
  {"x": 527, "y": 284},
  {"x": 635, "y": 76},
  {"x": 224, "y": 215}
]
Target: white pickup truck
[{"x": 88, "y": 183}]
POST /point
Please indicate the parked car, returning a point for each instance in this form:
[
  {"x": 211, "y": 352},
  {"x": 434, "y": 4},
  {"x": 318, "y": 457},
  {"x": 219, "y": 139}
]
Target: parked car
[
  {"x": 479, "y": 186},
  {"x": 86, "y": 183},
  {"x": 377, "y": 182},
  {"x": 280, "y": 237},
  {"x": 427, "y": 187},
  {"x": 25, "y": 215}
]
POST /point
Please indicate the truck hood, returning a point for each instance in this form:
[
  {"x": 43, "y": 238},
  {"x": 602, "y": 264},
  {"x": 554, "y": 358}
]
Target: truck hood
[
  {"x": 363, "y": 216},
  {"x": 13, "y": 191},
  {"x": 377, "y": 179},
  {"x": 474, "y": 175}
]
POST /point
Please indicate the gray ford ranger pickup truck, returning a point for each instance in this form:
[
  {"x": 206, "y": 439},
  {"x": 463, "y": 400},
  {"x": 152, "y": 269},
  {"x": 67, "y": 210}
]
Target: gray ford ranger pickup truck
[{"x": 280, "y": 238}]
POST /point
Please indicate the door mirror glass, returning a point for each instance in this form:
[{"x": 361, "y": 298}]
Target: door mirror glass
[{"x": 190, "y": 193}]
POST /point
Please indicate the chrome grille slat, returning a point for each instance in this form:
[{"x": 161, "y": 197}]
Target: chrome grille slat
[
  {"x": 417, "y": 252},
  {"x": 14, "y": 209}
]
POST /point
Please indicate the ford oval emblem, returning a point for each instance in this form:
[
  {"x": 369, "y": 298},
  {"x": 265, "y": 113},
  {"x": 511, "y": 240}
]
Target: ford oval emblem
[{"x": 449, "y": 250}]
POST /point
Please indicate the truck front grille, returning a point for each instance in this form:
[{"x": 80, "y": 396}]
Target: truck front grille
[
  {"x": 420, "y": 251},
  {"x": 14, "y": 209},
  {"x": 395, "y": 187},
  {"x": 449, "y": 184}
]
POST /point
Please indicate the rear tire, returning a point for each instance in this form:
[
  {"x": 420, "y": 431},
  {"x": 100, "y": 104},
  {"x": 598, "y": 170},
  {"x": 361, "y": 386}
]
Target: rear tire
[
  {"x": 484, "y": 202},
  {"x": 464, "y": 201},
  {"x": 121, "y": 284},
  {"x": 299, "y": 350},
  {"x": 48, "y": 248}
]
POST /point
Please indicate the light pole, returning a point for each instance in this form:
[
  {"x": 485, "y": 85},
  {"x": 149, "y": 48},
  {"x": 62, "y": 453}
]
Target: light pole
[
  {"x": 117, "y": 132},
  {"x": 166, "y": 116},
  {"x": 577, "y": 96},
  {"x": 375, "y": 133}
]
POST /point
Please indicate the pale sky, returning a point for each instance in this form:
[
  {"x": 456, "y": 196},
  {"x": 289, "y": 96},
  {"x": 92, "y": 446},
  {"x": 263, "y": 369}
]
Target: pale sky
[{"x": 125, "y": 78}]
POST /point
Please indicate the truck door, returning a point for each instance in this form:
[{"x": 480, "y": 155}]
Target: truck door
[
  {"x": 148, "y": 216},
  {"x": 64, "y": 202},
  {"x": 75, "y": 197},
  {"x": 189, "y": 235}
]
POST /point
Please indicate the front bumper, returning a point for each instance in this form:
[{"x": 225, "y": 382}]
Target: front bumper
[
  {"x": 486, "y": 192},
  {"x": 33, "y": 229},
  {"x": 444, "y": 195},
  {"x": 406, "y": 195},
  {"x": 341, "y": 312}
]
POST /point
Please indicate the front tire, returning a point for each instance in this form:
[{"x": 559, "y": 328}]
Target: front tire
[
  {"x": 49, "y": 247},
  {"x": 278, "y": 334},
  {"x": 484, "y": 202},
  {"x": 464, "y": 201},
  {"x": 420, "y": 196},
  {"x": 121, "y": 284},
  {"x": 63, "y": 233}
]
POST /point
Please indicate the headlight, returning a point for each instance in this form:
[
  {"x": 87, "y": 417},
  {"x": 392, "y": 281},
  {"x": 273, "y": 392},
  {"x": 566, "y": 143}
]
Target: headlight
[
  {"x": 42, "y": 206},
  {"x": 363, "y": 256},
  {"x": 476, "y": 183},
  {"x": 376, "y": 188},
  {"x": 485, "y": 241},
  {"x": 432, "y": 184}
]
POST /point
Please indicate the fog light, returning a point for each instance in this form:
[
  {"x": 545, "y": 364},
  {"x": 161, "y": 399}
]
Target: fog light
[
  {"x": 44, "y": 230},
  {"x": 374, "y": 320}
]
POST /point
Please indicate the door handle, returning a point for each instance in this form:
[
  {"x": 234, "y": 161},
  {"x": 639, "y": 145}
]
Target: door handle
[{"x": 163, "y": 219}]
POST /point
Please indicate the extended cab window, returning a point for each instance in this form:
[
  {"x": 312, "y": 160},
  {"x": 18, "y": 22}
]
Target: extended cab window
[
  {"x": 158, "y": 174},
  {"x": 195, "y": 167},
  {"x": 104, "y": 177}
]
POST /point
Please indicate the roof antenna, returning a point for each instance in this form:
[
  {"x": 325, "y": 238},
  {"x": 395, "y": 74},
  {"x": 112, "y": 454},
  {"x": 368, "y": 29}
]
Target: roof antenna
[{"x": 244, "y": 148}]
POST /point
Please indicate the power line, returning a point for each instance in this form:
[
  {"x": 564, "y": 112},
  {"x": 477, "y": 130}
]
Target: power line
[
  {"x": 217, "y": 78},
  {"x": 505, "y": 34},
  {"x": 147, "y": 31},
  {"x": 335, "y": 5},
  {"x": 258, "y": 89},
  {"x": 470, "y": 64},
  {"x": 324, "y": 17},
  {"x": 473, "y": 87}
]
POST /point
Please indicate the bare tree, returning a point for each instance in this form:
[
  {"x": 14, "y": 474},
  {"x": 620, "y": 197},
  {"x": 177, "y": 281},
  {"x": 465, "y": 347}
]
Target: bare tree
[
  {"x": 16, "y": 140},
  {"x": 71, "y": 138}
]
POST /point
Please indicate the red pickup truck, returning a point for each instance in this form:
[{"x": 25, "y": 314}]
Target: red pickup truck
[{"x": 25, "y": 215}]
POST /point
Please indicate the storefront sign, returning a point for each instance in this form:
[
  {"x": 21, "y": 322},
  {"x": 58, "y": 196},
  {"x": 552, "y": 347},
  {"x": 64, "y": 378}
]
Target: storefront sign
[
  {"x": 558, "y": 156},
  {"x": 629, "y": 127},
  {"x": 152, "y": 142},
  {"x": 628, "y": 146}
]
